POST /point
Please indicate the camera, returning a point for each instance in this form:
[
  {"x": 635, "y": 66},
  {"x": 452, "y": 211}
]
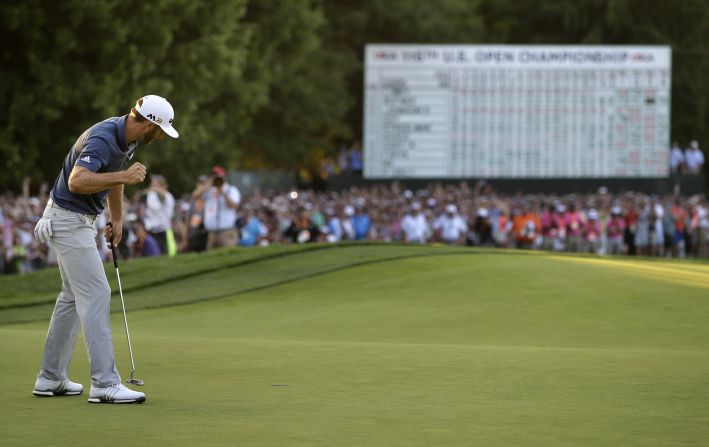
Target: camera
[{"x": 218, "y": 182}]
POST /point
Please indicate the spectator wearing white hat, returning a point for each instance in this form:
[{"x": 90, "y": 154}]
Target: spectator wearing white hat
[
  {"x": 348, "y": 230},
  {"x": 481, "y": 229},
  {"x": 415, "y": 226},
  {"x": 694, "y": 158},
  {"x": 449, "y": 227},
  {"x": 333, "y": 225},
  {"x": 592, "y": 232},
  {"x": 657, "y": 231}
]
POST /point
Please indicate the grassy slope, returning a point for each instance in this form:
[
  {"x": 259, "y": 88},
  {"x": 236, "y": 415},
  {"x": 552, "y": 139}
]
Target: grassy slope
[
  {"x": 42, "y": 286},
  {"x": 500, "y": 349},
  {"x": 158, "y": 282}
]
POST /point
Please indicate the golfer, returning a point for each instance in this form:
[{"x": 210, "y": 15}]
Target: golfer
[{"x": 94, "y": 170}]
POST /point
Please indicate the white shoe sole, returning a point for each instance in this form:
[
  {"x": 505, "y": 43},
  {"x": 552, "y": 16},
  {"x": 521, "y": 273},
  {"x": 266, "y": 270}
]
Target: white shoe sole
[
  {"x": 98, "y": 400},
  {"x": 50, "y": 393}
]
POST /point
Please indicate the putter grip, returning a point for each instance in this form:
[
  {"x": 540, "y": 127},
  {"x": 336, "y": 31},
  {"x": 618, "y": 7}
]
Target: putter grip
[{"x": 112, "y": 247}]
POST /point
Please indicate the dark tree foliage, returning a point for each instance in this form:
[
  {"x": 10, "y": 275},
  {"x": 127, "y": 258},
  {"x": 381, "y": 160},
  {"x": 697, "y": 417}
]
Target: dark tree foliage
[{"x": 246, "y": 79}]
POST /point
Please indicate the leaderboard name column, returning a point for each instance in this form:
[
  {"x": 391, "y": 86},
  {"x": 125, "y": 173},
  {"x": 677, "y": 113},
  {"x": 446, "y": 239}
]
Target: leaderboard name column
[{"x": 406, "y": 132}]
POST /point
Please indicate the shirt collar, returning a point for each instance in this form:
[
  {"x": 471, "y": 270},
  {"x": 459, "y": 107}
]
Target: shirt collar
[
  {"x": 127, "y": 149},
  {"x": 121, "y": 131}
]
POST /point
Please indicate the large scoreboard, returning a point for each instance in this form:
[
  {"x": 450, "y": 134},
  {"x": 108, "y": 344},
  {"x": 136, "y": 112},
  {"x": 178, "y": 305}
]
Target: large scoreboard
[{"x": 498, "y": 111}]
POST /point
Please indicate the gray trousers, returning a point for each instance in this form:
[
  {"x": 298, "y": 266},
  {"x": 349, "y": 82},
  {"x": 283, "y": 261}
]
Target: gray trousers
[{"x": 84, "y": 300}]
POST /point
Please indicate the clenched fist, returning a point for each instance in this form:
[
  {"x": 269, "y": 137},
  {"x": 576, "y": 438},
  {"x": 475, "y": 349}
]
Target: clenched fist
[
  {"x": 134, "y": 174},
  {"x": 113, "y": 234}
]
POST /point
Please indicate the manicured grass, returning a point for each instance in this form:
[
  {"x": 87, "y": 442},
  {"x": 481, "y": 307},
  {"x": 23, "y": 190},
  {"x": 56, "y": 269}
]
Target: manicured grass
[
  {"x": 391, "y": 345},
  {"x": 163, "y": 281}
]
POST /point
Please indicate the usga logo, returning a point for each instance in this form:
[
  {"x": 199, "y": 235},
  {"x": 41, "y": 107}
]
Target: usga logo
[{"x": 385, "y": 55}]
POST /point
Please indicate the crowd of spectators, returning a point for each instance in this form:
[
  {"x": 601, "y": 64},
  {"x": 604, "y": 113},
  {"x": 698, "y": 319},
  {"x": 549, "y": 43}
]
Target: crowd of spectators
[{"x": 216, "y": 215}]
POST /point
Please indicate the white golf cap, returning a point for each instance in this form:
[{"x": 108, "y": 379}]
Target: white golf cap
[
  {"x": 450, "y": 208},
  {"x": 158, "y": 111}
]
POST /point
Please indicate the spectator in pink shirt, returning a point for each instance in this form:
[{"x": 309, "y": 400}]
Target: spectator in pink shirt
[
  {"x": 573, "y": 223},
  {"x": 550, "y": 228},
  {"x": 615, "y": 231}
]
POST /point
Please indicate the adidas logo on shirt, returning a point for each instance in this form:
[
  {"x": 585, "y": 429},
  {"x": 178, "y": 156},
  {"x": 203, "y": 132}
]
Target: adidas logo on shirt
[{"x": 86, "y": 159}]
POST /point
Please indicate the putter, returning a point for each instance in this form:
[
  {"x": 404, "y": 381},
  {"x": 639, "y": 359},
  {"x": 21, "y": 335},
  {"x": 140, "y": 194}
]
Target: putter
[{"x": 132, "y": 380}]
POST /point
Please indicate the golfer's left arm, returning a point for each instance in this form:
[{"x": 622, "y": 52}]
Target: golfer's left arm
[{"x": 115, "y": 207}]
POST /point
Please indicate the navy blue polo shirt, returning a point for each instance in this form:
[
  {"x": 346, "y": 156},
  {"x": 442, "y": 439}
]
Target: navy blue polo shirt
[{"x": 101, "y": 148}]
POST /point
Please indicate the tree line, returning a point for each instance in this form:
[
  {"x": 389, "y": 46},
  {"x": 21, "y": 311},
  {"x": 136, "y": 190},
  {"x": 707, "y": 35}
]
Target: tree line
[{"x": 277, "y": 83}]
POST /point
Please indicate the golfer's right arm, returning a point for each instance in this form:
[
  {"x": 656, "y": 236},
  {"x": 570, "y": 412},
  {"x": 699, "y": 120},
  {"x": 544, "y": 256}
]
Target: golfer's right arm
[{"x": 83, "y": 181}]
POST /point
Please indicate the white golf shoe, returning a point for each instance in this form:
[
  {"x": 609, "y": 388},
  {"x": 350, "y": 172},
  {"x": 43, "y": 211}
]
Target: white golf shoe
[
  {"x": 47, "y": 388},
  {"x": 115, "y": 394}
]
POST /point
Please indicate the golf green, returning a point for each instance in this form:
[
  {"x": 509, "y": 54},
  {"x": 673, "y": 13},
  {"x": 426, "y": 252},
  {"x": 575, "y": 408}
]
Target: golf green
[{"x": 382, "y": 345}]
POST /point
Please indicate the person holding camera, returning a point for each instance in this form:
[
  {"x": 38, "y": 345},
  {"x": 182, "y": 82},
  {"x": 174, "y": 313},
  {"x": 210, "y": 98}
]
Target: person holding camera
[{"x": 220, "y": 202}]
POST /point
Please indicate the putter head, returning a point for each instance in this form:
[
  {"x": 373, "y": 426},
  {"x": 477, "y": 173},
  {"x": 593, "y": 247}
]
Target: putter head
[{"x": 133, "y": 380}]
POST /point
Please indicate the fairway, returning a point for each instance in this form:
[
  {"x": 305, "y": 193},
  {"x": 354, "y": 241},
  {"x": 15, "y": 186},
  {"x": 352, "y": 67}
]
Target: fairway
[{"x": 380, "y": 345}]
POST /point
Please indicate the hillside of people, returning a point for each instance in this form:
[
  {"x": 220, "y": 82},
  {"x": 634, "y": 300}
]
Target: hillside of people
[{"x": 216, "y": 214}]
